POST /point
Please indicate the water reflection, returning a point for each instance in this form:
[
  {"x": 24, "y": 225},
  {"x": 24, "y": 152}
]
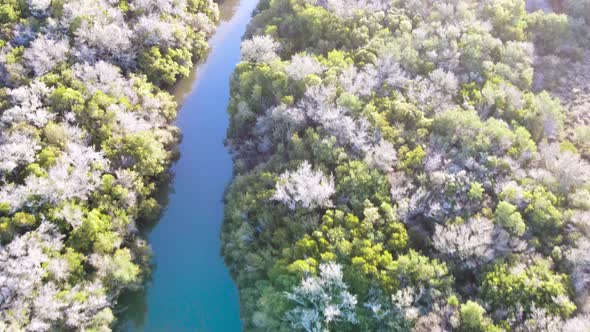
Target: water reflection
[
  {"x": 190, "y": 288},
  {"x": 227, "y": 9}
]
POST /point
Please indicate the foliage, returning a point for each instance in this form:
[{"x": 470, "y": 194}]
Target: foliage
[
  {"x": 451, "y": 174},
  {"x": 322, "y": 301},
  {"x": 86, "y": 138},
  {"x": 306, "y": 187}
]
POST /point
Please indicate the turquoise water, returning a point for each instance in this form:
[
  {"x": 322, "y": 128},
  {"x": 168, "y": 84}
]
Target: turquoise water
[{"x": 190, "y": 288}]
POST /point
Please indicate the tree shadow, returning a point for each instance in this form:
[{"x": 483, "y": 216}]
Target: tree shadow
[{"x": 131, "y": 308}]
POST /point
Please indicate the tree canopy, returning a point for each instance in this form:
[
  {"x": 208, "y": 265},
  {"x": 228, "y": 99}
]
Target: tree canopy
[
  {"x": 86, "y": 139},
  {"x": 428, "y": 153}
]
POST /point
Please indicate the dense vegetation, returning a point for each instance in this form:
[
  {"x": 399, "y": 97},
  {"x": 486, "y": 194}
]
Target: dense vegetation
[
  {"x": 412, "y": 165},
  {"x": 85, "y": 141}
]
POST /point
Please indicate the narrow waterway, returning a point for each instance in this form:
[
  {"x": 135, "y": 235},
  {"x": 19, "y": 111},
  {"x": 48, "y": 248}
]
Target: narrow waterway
[{"x": 190, "y": 288}]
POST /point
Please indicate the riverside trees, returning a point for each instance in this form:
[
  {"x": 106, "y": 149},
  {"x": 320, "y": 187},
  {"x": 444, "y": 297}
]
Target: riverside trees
[
  {"x": 85, "y": 139},
  {"x": 460, "y": 191}
]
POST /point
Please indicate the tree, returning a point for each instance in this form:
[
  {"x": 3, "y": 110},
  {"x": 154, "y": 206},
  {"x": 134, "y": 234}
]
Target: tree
[
  {"x": 473, "y": 318},
  {"x": 118, "y": 270},
  {"x": 579, "y": 8},
  {"x": 416, "y": 270},
  {"x": 143, "y": 152},
  {"x": 545, "y": 119},
  {"x": 568, "y": 171},
  {"x": 577, "y": 323},
  {"x": 303, "y": 65},
  {"x": 382, "y": 156},
  {"x": 580, "y": 262},
  {"x": 425, "y": 111},
  {"x": 543, "y": 215},
  {"x": 27, "y": 299},
  {"x": 44, "y": 54},
  {"x": 306, "y": 187},
  {"x": 322, "y": 301},
  {"x": 527, "y": 285},
  {"x": 280, "y": 123},
  {"x": 39, "y": 7},
  {"x": 102, "y": 35},
  {"x": 85, "y": 136},
  {"x": 165, "y": 68},
  {"x": 28, "y": 105},
  {"x": 261, "y": 49},
  {"x": 356, "y": 183},
  {"x": 472, "y": 315},
  {"x": 153, "y": 31},
  {"x": 347, "y": 8},
  {"x": 549, "y": 31},
  {"x": 16, "y": 150},
  {"x": 471, "y": 242}
]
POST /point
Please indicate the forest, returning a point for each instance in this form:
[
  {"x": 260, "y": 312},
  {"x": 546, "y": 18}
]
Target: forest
[
  {"x": 86, "y": 140},
  {"x": 412, "y": 165},
  {"x": 399, "y": 165}
]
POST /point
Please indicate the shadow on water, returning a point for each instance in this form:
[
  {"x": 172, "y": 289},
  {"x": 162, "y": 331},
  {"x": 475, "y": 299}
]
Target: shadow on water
[
  {"x": 189, "y": 288},
  {"x": 227, "y": 9}
]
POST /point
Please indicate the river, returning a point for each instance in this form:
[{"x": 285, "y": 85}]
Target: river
[{"x": 190, "y": 287}]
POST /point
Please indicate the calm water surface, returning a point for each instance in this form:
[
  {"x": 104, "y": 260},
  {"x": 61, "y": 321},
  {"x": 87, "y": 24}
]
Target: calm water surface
[{"x": 190, "y": 288}]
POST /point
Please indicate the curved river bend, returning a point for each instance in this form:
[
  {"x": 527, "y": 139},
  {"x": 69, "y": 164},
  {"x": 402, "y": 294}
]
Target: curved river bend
[{"x": 190, "y": 287}]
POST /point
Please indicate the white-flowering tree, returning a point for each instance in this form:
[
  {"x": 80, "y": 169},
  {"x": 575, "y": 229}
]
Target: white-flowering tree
[
  {"x": 151, "y": 30},
  {"x": 540, "y": 320},
  {"x": 21, "y": 263},
  {"x": 352, "y": 133},
  {"x": 75, "y": 175},
  {"x": 105, "y": 77},
  {"x": 305, "y": 187},
  {"x": 390, "y": 72},
  {"x": 261, "y": 49},
  {"x": 28, "y": 105},
  {"x": 279, "y": 123},
  {"x": 347, "y": 8},
  {"x": 580, "y": 262},
  {"x": 577, "y": 323},
  {"x": 322, "y": 300},
  {"x": 69, "y": 136},
  {"x": 133, "y": 122},
  {"x": 16, "y": 149},
  {"x": 47, "y": 307},
  {"x": 45, "y": 53},
  {"x": 303, "y": 65},
  {"x": 359, "y": 82},
  {"x": 567, "y": 170},
  {"x": 39, "y": 7},
  {"x": 102, "y": 33},
  {"x": 382, "y": 156},
  {"x": 433, "y": 93},
  {"x": 27, "y": 297},
  {"x": 93, "y": 313},
  {"x": 159, "y": 6},
  {"x": 472, "y": 242}
]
